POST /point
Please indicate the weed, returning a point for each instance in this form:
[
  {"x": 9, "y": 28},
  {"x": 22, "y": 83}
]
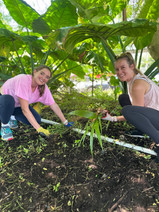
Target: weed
[{"x": 56, "y": 187}]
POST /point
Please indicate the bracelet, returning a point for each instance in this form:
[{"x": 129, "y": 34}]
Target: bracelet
[{"x": 65, "y": 122}]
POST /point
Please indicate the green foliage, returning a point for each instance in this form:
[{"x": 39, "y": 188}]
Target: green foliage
[
  {"x": 1, "y": 24},
  {"x": 145, "y": 9},
  {"x": 60, "y": 14},
  {"x": 56, "y": 187},
  {"x": 94, "y": 59},
  {"x": 152, "y": 71},
  {"x": 40, "y": 26},
  {"x": 94, "y": 126},
  {"x": 153, "y": 13},
  {"x": 149, "y": 10},
  {"x": 84, "y": 113},
  {"x": 21, "y": 12},
  {"x": 99, "y": 11},
  {"x": 2, "y": 58},
  {"x": 100, "y": 32},
  {"x": 59, "y": 25},
  {"x": 62, "y": 9}
]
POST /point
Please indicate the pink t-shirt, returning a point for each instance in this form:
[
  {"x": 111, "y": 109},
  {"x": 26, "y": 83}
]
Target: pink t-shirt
[{"x": 20, "y": 86}]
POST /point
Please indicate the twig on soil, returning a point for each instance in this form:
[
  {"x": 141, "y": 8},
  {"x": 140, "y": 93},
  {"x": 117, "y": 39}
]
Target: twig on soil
[
  {"x": 147, "y": 189},
  {"x": 17, "y": 161},
  {"x": 117, "y": 203}
]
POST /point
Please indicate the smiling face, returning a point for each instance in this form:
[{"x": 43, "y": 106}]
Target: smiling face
[
  {"x": 124, "y": 71},
  {"x": 41, "y": 77}
]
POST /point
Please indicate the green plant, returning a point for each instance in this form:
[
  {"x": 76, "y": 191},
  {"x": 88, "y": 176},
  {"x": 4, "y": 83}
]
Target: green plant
[
  {"x": 93, "y": 126},
  {"x": 56, "y": 187}
]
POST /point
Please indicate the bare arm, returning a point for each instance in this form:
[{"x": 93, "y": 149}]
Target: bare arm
[
  {"x": 28, "y": 114},
  {"x": 58, "y": 111},
  {"x": 139, "y": 89},
  {"x": 1, "y": 90},
  {"x": 120, "y": 118}
]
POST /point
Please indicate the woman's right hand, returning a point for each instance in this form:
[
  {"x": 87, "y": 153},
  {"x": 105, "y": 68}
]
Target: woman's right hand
[
  {"x": 43, "y": 132},
  {"x": 108, "y": 117}
]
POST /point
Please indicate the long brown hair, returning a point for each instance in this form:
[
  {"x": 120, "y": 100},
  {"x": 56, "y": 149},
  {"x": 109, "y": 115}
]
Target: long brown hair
[
  {"x": 41, "y": 88},
  {"x": 130, "y": 60}
]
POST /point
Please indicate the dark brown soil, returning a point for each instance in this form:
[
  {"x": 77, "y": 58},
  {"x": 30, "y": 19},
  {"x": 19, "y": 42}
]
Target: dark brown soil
[{"x": 57, "y": 174}]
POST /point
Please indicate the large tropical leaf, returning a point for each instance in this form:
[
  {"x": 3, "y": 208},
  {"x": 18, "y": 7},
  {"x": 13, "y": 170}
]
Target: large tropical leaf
[
  {"x": 4, "y": 33},
  {"x": 13, "y": 40},
  {"x": 56, "y": 37},
  {"x": 40, "y": 26},
  {"x": 7, "y": 39},
  {"x": 74, "y": 68},
  {"x": 21, "y": 12},
  {"x": 1, "y": 24},
  {"x": 93, "y": 10},
  {"x": 58, "y": 54},
  {"x": 61, "y": 13},
  {"x": 144, "y": 9},
  {"x": 142, "y": 42},
  {"x": 82, "y": 4},
  {"x": 90, "y": 11},
  {"x": 38, "y": 46},
  {"x": 149, "y": 10},
  {"x": 133, "y": 28},
  {"x": 153, "y": 13}
]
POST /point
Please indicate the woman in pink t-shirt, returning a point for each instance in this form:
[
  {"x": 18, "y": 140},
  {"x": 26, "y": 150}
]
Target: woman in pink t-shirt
[{"x": 16, "y": 96}]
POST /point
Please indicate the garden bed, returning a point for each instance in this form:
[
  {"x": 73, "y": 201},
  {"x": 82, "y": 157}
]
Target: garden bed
[{"x": 58, "y": 174}]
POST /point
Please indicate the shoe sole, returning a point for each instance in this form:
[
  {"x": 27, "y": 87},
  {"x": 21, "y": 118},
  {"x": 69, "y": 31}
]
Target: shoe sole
[{"x": 7, "y": 140}]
